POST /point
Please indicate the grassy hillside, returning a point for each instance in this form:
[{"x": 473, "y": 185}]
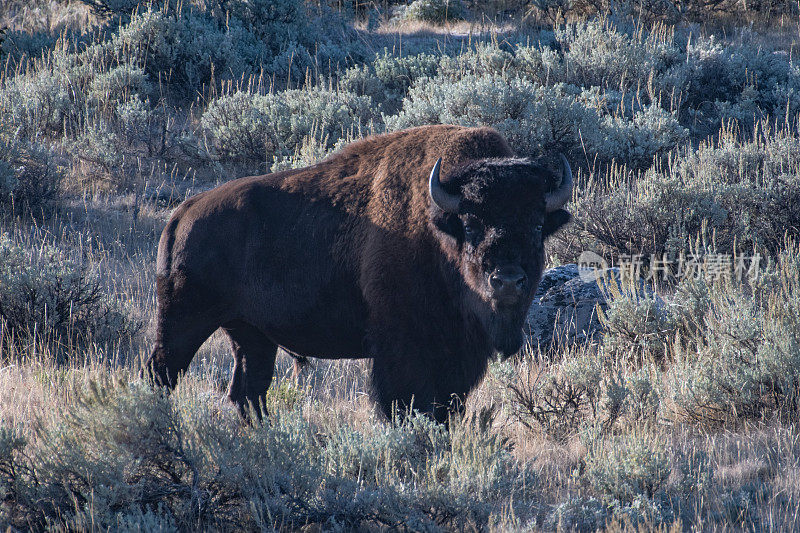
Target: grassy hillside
[{"x": 681, "y": 121}]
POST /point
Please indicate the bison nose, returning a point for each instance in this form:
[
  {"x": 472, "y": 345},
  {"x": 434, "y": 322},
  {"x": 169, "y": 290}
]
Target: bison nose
[{"x": 507, "y": 282}]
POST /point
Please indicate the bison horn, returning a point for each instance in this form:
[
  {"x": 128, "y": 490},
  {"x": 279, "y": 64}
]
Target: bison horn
[
  {"x": 447, "y": 202},
  {"x": 556, "y": 199}
]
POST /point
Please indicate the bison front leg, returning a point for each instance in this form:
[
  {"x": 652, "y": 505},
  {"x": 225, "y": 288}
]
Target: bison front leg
[
  {"x": 398, "y": 388},
  {"x": 253, "y": 365},
  {"x": 405, "y": 379}
]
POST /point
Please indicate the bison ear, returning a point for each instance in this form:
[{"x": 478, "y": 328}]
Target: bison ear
[{"x": 553, "y": 221}]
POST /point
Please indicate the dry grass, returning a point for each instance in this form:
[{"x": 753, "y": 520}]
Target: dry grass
[{"x": 755, "y": 483}]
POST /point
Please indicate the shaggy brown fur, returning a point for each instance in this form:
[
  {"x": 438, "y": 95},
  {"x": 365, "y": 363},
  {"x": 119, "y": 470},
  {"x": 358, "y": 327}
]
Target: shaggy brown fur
[{"x": 349, "y": 258}]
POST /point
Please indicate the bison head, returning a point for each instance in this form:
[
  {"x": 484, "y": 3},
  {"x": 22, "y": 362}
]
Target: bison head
[{"x": 492, "y": 217}]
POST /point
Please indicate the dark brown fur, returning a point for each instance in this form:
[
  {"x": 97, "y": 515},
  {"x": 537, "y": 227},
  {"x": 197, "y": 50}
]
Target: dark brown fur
[{"x": 346, "y": 259}]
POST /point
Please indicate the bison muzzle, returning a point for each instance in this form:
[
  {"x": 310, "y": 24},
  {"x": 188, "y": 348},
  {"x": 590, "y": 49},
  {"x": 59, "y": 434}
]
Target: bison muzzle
[{"x": 420, "y": 250}]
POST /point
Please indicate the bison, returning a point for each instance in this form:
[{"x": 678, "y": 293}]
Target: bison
[{"x": 420, "y": 250}]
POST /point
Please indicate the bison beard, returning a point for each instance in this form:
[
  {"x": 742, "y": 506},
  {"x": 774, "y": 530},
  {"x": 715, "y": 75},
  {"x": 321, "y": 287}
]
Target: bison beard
[
  {"x": 505, "y": 330},
  {"x": 365, "y": 254}
]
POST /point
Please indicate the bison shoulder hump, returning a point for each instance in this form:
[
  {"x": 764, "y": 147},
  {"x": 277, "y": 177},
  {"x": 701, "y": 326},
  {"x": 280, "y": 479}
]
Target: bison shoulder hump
[{"x": 478, "y": 143}]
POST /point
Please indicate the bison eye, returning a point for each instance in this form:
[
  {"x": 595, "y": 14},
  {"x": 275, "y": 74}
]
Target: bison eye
[{"x": 471, "y": 230}]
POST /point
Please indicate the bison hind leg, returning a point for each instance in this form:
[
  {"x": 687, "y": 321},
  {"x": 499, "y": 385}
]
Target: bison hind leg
[
  {"x": 253, "y": 365},
  {"x": 176, "y": 345}
]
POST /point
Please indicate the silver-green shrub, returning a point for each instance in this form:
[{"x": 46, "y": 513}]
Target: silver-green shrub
[
  {"x": 435, "y": 11},
  {"x": 744, "y": 192},
  {"x": 12, "y": 443},
  {"x": 313, "y": 148},
  {"x": 636, "y": 140},
  {"x": 482, "y": 59},
  {"x": 123, "y": 452},
  {"x": 586, "y": 393},
  {"x": 533, "y": 118},
  {"x": 725, "y": 349},
  {"x": 537, "y": 119},
  {"x": 637, "y": 327},
  {"x": 77, "y": 106},
  {"x": 388, "y": 78},
  {"x": 623, "y": 469},
  {"x": 559, "y": 398},
  {"x": 698, "y": 79},
  {"x": 30, "y": 177},
  {"x": 644, "y": 390},
  {"x": 256, "y": 129},
  {"x": 38, "y": 103},
  {"x": 742, "y": 361},
  {"x": 54, "y": 298},
  {"x": 102, "y": 94},
  {"x": 188, "y": 45},
  {"x": 118, "y": 84},
  {"x": 578, "y": 514},
  {"x": 599, "y": 53},
  {"x": 745, "y": 81}
]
